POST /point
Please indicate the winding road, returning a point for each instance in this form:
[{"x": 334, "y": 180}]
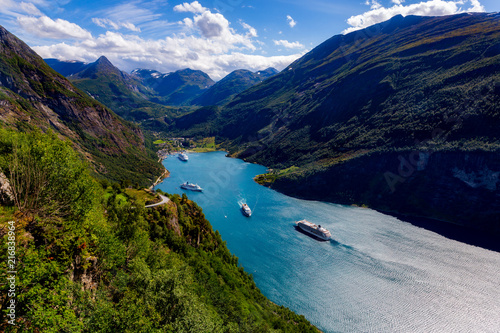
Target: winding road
[{"x": 163, "y": 201}]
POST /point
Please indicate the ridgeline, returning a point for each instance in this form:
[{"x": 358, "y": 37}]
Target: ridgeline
[{"x": 402, "y": 116}]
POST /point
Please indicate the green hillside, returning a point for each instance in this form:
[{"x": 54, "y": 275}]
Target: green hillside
[
  {"x": 122, "y": 93},
  {"x": 180, "y": 87},
  {"x": 91, "y": 258},
  {"x": 231, "y": 85},
  {"x": 402, "y": 116},
  {"x": 32, "y": 95}
]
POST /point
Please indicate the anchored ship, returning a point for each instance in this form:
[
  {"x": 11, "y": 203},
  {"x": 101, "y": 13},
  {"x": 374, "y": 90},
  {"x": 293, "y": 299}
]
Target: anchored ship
[
  {"x": 192, "y": 187},
  {"x": 183, "y": 157},
  {"x": 246, "y": 210},
  {"x": 314, "y": 230}
]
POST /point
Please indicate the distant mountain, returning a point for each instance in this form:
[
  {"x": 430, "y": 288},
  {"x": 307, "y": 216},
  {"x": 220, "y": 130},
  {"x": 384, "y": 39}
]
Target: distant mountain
[
  {"x": 176, "y": 88},
  {"x": 99, "y": 69},
  {"x": 234, "y": 83},
  {"x": 403, "y": 116},
  {"x": 122, "y": 92},
  {"x": 34, "y": 95},
  {"x": 66, "y": 68},
  {"x": 146, "y": 74}
]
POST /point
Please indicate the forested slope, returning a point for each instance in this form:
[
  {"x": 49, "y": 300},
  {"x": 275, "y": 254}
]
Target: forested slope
[
  {"x": 402, "y": 116},
  {"x": 91, "y": 258}
]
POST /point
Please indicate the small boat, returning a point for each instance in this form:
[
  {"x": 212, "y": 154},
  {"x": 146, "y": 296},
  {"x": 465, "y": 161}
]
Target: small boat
[
  {"x": 314, "y": 230},
  {"x": 192, "y": 187},
  {"x": 183, "y": 157},
  {"x": 246, "y": 210}
]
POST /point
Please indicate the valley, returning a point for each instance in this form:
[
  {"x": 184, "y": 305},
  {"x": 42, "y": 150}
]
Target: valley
[{"x": 387, "y": 135}]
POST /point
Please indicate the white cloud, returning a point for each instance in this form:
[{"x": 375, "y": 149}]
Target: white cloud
[
  {"x": 45, "y": 27},
  {"x": 107, "y": 23},
  {"x": 252, "y": 32},
  {"x": 202, "y": 40},
  {"x": 476, "y": 6},
  {"x": 428, "y": 8},
  {"x": 288, "y": 45},
  {"x": 138, "y": 15},
  {"x": 193, "y": 7},
  {"x": 172, "y": 53},
  {"x": 14, "y": 8},
  {"x": 215, "y": 32},
  {"x": 188, "y": 23},
  {"x": 30, "y": 9},
  {"x": 374, "y": 4},
  {"x": 130, "y": 26},
  {"x": 211, "y": 25},
  {"x": 291, "y": 21}
]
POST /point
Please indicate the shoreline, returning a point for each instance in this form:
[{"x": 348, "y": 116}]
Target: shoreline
[
  {"x": 474, "y": 237},
  {"x": 162, "y": 177},
  {"x": 450, "y": 230}
]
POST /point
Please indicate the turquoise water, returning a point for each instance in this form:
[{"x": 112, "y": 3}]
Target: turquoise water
[{"x": 377, "y": 274}]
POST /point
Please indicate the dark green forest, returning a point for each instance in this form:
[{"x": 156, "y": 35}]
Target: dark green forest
[
  {"x": 91, "y": 258},
  {"x": 402, "y": 117}
]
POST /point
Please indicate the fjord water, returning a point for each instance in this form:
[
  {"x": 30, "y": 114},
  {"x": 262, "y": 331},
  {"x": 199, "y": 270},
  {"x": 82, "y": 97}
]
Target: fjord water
[{"x": 377, "y": 274}]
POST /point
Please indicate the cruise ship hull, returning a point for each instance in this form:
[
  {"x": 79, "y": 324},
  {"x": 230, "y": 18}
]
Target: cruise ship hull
[
  {"x": 246, "y": 211},
  {"x": 191, "y": 187},
  {"x": 313, "y": 231}
]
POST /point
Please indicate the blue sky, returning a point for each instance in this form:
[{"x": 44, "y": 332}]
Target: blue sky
[{"x": 216, "y": 36}]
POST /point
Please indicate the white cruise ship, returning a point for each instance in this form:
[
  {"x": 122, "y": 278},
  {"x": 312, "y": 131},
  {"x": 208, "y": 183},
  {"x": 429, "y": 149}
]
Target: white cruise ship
[
  {"x": 183, "y": 157},
  {"x": 314, "y": 230},
  {"x": 192, "y": 187},
  {"x": 246, "y": 210}
]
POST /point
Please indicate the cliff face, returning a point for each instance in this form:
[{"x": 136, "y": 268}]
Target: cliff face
[
  {"x": 32, "y": 95},
  {"x": 463, "y": 188}
]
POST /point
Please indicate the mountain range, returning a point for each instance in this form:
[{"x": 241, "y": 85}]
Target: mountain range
[
  {"x": 150, "y": 98},
  {"x": 176, "y": 88},
  {"x": 231, "y": 85},
  {"x": 402, "y": 116},
  {"x": 406, "y": 106},
  {"x": 32, "y": 95}
]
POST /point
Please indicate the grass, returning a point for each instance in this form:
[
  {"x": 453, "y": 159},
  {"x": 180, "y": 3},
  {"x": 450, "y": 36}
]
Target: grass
[
  {"x": 7, "y": 214},
  {"x": 291, "y": 169},
  {"x": 203, "y": 150},
  {"x": 266, "y": 179},
  {"x": 205, "y": 145},
  {"x": 141, "y": 195}
]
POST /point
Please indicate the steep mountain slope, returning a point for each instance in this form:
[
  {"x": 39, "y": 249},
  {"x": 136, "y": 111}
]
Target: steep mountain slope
[
  {"x": 234, "y": 83},
  {"x": 121, "y": 92},
  {"x": 33, "y": 95},
  {"x": 94, "y": 259},
  {"x": 177, "y": 88},
  {"x": 65, "y": 68},
  {"x": 402, "y": 116}
]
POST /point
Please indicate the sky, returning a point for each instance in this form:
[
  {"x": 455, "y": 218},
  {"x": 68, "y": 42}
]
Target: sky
[{"x": 215, "y": 36}]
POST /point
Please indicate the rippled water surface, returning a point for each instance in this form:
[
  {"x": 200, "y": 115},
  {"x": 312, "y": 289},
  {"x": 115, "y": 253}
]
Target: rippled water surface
[{"x": 378, "y": 274}]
